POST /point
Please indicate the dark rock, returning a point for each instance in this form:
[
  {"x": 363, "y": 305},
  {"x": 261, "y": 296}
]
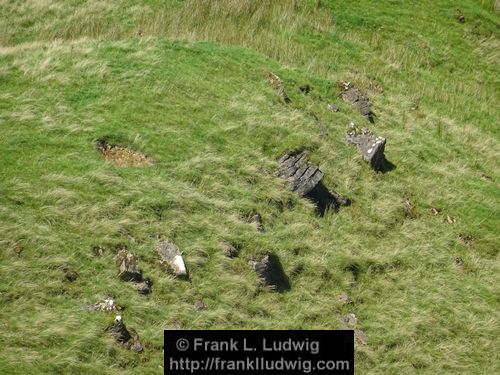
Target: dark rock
[
  {"x": 279, "y": 86},
  {"x": 306, "y": 180},
  {"x": 119, "y": 331},
  {"x": 70, "y": 274},
  {"x": 305, "y": 89},
  {"x": 171, "y": 259},
  {"x": 271, "y": 273},
  {"x": 229, "y": 249},
  {"x": 129, "y": 339},
  {"x": 459, "y": 263},
  {"x": 128, "y": 264},
  {"x": 332, "y": 107},
  {"x": 199, "y": 305},
  {"x": 459, "y": 16},
  {"x": 369, "y": 145},
  {"x": 145, "y": 286},
  {"x": 360, "y": 102}
]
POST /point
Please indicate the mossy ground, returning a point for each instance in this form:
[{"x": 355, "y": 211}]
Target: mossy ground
[{"x": 185, "y": 83}]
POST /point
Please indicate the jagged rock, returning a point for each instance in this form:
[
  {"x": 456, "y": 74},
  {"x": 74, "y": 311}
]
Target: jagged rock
[
  {"x": 128, "y": 264},
  {"x": 270, "y": 272},
  {"x": 229, "y": 249},
  {"x": 123, "y": 336},
  {"x": 354, "y": 97},
  {"x": 279, "y": 86},
  {"x": 171, "y": 259},
  {"x": 306, "y": 180},
  {"x": 369, "y": 145},
  {"x": 145, "y": 286}
]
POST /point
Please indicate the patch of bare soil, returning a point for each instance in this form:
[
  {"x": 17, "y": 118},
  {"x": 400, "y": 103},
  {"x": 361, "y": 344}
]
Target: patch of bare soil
[{"x": 122, "y": 156}]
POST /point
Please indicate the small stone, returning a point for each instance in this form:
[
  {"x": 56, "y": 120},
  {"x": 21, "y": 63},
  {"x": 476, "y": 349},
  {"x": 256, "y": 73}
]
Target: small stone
[
  {"x": 344, "y": 298},
  {"x": 107, "y": 305},
  {"x": 360, "y": 337},
  {"x": 171, "y": 259},
  {"x": 360, "y": 102},
  {"x": 70, "y": 274},
  {"x": 270, "y": 272},
  {"x": 279, "y": 86},
  {"x": 229, "y": 249},
  {"x": 332, "y": 107},
  {"x": 98, "y": 250},
  {"x": 305, "y": 89},
  {"x": 128, "y": 338},
  {"x": 257, "y": 221},
  {"x": 435, "y": 211},
  {"x": 466, "y": 238},
  {"x": 199, "y": 305},
  {"x": 145, "y": 286},
  {"x": 350, "y": 320},
  {"x": 128, "y": 264},
  {"x": 459, "y": 263},
  {"x": 409, "y": 209},
  {"x": 449, "y": 219},
  {"x": 369, "y": 145}
]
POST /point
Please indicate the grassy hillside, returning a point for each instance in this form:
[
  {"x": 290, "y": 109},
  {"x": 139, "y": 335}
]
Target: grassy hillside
[{"x": 185, "y": 83}]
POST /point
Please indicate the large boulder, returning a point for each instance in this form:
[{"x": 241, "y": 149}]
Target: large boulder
[
  {"x": 128, "y": 264},
  {"x": 370, "y": 146},
  {"x": 270, "y": 272},
  {"x": 358, "y": 100},
  {"x": 306, "y": 180},
  {"x": 171, "y": 259}
]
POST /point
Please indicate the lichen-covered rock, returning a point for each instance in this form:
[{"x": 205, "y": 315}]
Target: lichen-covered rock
[
  {"x": 306, "y": 180},
  {"x": 270, "y": 272},
  {"x": 369, "y": 145},
  {"x": 171, "y": 259},
  {"x": 354, "y": 97},
  {"x": 128, "y": 264}
]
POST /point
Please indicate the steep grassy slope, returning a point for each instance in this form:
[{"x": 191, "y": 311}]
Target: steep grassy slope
[{"x": 172, "y": 82}]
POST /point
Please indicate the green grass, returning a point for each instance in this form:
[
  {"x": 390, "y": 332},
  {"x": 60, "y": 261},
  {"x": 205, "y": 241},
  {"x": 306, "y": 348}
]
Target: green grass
[{"x": 185, "y": 83}]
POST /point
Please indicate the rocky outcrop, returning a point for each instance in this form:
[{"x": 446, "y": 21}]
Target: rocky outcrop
[
  {"x": 171, "y": 259},
  {"x": 306, "y": 180},
  {"x": 355, "y": 98},
  {"x": 270, "y": 272},
  {"x": 369, "y": 145}
]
